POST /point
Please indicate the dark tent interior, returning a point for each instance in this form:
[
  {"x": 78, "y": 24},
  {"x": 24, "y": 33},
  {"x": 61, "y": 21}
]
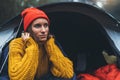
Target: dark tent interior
[{"x": 82, "y": 38}]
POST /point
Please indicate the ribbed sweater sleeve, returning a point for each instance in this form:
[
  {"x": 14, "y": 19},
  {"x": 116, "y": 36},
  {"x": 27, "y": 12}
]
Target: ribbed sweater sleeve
[
  {"x": 23, "y": 59},
  {"x": 61, "y": 65}
]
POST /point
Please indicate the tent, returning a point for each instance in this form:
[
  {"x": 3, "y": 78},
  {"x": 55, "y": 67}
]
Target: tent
[{"x": 83, "y": 31}]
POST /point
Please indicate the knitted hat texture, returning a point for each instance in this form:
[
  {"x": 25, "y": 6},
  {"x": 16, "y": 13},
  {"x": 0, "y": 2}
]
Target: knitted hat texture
[{"x": 30, "y": 14}]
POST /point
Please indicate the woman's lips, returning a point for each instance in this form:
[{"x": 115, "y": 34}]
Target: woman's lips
[{"x": 43, "y": 36}]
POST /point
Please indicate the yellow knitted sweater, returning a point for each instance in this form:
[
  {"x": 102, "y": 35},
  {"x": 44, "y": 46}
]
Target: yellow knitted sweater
[{"x": 23, "y": 60}]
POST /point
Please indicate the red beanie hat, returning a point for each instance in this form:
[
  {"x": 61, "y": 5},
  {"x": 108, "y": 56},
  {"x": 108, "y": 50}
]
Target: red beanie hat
[{"x": 30, "y": 14}]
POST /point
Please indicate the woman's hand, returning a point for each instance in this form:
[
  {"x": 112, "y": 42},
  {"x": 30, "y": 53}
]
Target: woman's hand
[{"x": 25, "y": 36}]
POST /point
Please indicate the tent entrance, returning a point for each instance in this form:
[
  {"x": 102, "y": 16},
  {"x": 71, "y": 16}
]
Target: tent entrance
[{"x": 82, "y": 38}]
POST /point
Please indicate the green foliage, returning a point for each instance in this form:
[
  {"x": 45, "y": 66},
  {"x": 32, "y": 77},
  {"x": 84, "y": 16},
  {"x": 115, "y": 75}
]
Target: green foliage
[{"x": 21, "y": 4}]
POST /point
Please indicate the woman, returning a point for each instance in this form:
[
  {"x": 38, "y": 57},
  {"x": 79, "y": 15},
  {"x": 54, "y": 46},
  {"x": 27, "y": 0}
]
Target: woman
[{"x": 35, "y": 54}]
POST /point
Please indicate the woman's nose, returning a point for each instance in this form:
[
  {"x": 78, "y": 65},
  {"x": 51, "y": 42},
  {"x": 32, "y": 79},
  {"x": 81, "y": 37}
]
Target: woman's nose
[{"x": 43, "y": 29}]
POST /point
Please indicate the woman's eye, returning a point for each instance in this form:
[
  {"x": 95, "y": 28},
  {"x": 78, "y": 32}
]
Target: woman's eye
[
  {"x": 37, "y": 25},
  {"x": 46, "y": 25}
]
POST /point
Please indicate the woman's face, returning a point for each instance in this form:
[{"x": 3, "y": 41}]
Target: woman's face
[{"x": 40, "y": 29}]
